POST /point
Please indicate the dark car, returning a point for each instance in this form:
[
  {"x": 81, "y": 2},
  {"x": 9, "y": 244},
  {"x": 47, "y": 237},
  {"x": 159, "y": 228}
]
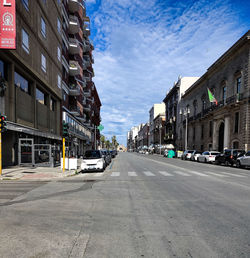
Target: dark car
[
  {"x": 229, "y": 157},
  {"x": 107, "y": 156},
  {"x": 113, "y": 153}
]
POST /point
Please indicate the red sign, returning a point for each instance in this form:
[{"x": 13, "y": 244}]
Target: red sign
[{"x": 8, "y": 24}]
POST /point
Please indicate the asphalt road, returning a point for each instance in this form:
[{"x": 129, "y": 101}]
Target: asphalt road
[{"x": 141, "y": 206}]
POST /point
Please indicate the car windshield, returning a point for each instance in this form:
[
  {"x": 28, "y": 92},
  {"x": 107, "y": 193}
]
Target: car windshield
[{"x": 92, "y": 154}]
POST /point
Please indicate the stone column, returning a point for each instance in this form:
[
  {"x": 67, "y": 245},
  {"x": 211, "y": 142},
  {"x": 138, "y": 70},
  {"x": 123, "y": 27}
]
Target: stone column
[
  {"x": 227, "y": 133},
  {"x": 215, "y": 135}
]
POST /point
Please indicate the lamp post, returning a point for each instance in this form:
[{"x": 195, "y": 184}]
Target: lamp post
[{"x": 185, "y": 112}]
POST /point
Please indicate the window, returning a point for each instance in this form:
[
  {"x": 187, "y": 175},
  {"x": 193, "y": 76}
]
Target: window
[
  {"x": 26, "y": 4},
  {"x": 44, "y": 1},
  {"x": 43, "y": 27},
  {"x": 59, "y": 81},
  {"x": 58, "y": 25},
  {"x": 203, "y": 105},
  {"x": 40, "y": 96},
  {"x": 64, "y": 96},
  {"x": 238, "y": 85},
  {"x": 52, "y": 104},
  {"x": 202, "y": 131},
  {"x": 43, "y": 63},
  {"x": 224, "y": 94},
  {"x": 210, "y": 146},
  {"x": 59, "y": 54},
  {"x": 25, "y": 41},
  {"x": 22, "y": 83},
  {"x": 195, "y": 107},
  {"x": 210, "y": 128},
  {"x": 236, "y": 122},
  {"x": 3, "y": 69},
  {"x": 235, "y": 145}
]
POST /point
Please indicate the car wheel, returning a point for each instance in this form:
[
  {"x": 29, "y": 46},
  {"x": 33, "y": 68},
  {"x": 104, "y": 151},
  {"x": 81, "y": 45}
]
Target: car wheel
[
  {"x": 238, "y": 165},
  {"x": 227, "y": 163},
  {"x": 216, "y": 162}
]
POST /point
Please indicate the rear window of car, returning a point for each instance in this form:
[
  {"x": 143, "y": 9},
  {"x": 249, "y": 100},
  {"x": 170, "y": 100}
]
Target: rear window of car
[
  {"x": 190, "y": 151},
  {"x": 248, "y": 153},
  {"x": 92, "y": 154},
  {"x": 214, "y": 153}
]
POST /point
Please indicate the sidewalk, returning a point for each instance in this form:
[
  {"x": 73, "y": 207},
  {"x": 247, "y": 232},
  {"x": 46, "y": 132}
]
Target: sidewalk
[{"x": 35, "y": 173}]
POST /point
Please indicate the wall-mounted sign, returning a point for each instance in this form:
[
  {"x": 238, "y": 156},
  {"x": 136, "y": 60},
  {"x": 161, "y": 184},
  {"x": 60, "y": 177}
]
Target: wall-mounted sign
[{"x": 8, "y": 24}]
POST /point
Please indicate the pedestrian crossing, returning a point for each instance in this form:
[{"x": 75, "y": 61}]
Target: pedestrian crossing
[{"x": 177, "y": 173}]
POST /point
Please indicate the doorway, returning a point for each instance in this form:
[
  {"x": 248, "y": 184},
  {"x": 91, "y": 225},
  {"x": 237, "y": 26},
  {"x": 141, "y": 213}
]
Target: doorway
[{"x": 221, "y": 137}]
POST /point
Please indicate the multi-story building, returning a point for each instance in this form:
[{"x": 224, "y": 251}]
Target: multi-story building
[
  {"x": 32, "y": 74},
  {"x": 143, "y": 135},
  {"x": 172, "y": 101},
  {"x": 48, "y": 79},
  {"x": 159, "y": 132},
  {"x": 153, "y": 113},
  {"x": 225, "y": 124},
  {"x": 81, "y": 103},
  {"x": 131, "y": 138}
]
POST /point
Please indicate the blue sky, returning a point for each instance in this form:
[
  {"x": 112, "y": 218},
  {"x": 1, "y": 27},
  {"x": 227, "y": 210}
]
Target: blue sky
[{"x": 142, "y": 46}]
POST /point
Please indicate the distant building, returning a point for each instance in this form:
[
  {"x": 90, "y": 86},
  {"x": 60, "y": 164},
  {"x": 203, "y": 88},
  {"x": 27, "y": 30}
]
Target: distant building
[
  {"x": 153, "y": 113},
  {"x": 172, "y": 103},
  {"x": 132, "y": 138}
]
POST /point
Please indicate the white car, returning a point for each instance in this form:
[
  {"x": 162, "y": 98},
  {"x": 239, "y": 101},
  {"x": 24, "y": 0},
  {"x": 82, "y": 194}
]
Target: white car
[
  {"x": 208, "y": 156},
  {"x": 243, "y": 161},
  {"x": 93, "y": 160},
  {"x": 195, "y": 155}
]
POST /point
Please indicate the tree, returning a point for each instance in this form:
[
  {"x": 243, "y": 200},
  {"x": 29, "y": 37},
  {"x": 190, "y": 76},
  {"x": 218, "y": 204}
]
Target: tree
[
  {"x": 107, "y": 144},
  {"x": 114, "y": 142},
  {"x": 103, "y": 140}
]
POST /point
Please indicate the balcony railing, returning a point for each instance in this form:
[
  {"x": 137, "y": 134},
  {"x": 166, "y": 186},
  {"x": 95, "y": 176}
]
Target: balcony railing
[
  {"x": 74, "y": 68},
  {"x": 87, "y": 108},
  {"x": 74, "y": 25},
  {"x": 74, "y": 47},
  {"x": 87, "y": 93},
  {"x": 87, "y": 60},
  {"x": 74, "y": 90},
  {"x": 87, "y": 77},
  {"x": 74, "y": 110},
  {"x": 74, "y": 5}
]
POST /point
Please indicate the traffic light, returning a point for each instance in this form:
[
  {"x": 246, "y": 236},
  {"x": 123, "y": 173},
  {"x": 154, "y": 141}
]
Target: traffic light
[
  {"x": 3, "y": 123},
  {"x": 65, "y": 129}
]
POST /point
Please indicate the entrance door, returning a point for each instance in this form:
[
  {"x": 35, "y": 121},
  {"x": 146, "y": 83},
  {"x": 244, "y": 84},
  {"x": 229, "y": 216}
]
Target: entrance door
[
  {"x": 26, "y": 152},
  {"x": 221, "y": 137}
]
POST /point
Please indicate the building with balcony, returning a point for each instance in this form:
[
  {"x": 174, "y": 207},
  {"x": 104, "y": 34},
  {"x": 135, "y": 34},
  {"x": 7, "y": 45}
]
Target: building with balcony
[
  {"x": 225, "y": 124},
  {"x": 32, "y": 76},
  {"x": 158, "y": 131},
  {"x": 80, "y": 103},
  {"x": 153, "y": 113},
  {"x": 172, "y": 101}
]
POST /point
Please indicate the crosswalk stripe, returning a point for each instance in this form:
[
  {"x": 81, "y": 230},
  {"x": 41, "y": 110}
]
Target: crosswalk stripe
[
  {"x": 225, "y": 173},
  {"x": 148, "y": 173},
  {"x": 115, "y": 174},
  {"x": 132, "y": 174},
  {"x": 181, "y": 173},
  {"x": 197, "y": 173},
  {"x": 215, "y": 174},
  {"x": 164, "y": 173}
]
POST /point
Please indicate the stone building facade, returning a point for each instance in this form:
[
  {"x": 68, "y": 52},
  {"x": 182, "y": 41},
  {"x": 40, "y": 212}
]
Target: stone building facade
[{"x": 227, "y": 124}]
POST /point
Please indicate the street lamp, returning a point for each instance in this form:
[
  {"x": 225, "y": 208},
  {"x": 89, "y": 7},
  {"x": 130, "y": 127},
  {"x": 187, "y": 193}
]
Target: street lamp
[{"x": 185, "y": 112}]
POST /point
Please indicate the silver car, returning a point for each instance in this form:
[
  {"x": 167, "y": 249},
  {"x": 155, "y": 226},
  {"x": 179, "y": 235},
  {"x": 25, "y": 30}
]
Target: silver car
[{"x": 243, "y": 161}]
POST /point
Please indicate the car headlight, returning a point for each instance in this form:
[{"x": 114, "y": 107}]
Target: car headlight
[{"x": 99, "y": 162}]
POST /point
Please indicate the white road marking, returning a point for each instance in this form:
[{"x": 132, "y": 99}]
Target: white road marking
[
  {"x": 115, "y": 174},
  {"x": 215, "y": 174},
  {"x": 225, "y": 173},
  {"x": 148, "y": 173},
  {"x": 164, "y": 173},
  {"x": 132, "y": 174},
  {"x": 197, "y": 173},
  {"x": 181, "y": 173}
]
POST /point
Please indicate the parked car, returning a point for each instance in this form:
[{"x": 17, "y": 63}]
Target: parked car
[
  {"x": 187, "y": 154},
  {"x": 243, "y": 161},
  {"x": 112, "y": 153},
  {"x": 208, "y": 156},
  {"x": 106, "y": 156},
  {"x": 229, "y": 157},
  {"x": 195, "y": 155},
  {"x": 93, "y": 160}
]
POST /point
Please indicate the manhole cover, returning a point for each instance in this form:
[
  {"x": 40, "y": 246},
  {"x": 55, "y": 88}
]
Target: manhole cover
[{"x": 29, "y": 172}]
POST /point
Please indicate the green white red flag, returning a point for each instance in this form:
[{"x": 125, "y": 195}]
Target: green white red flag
[{"x": 211, "y": 97}]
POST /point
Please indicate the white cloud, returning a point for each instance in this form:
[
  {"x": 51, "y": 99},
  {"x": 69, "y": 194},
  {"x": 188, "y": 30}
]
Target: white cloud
[{"x": 142, "y": 47}]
